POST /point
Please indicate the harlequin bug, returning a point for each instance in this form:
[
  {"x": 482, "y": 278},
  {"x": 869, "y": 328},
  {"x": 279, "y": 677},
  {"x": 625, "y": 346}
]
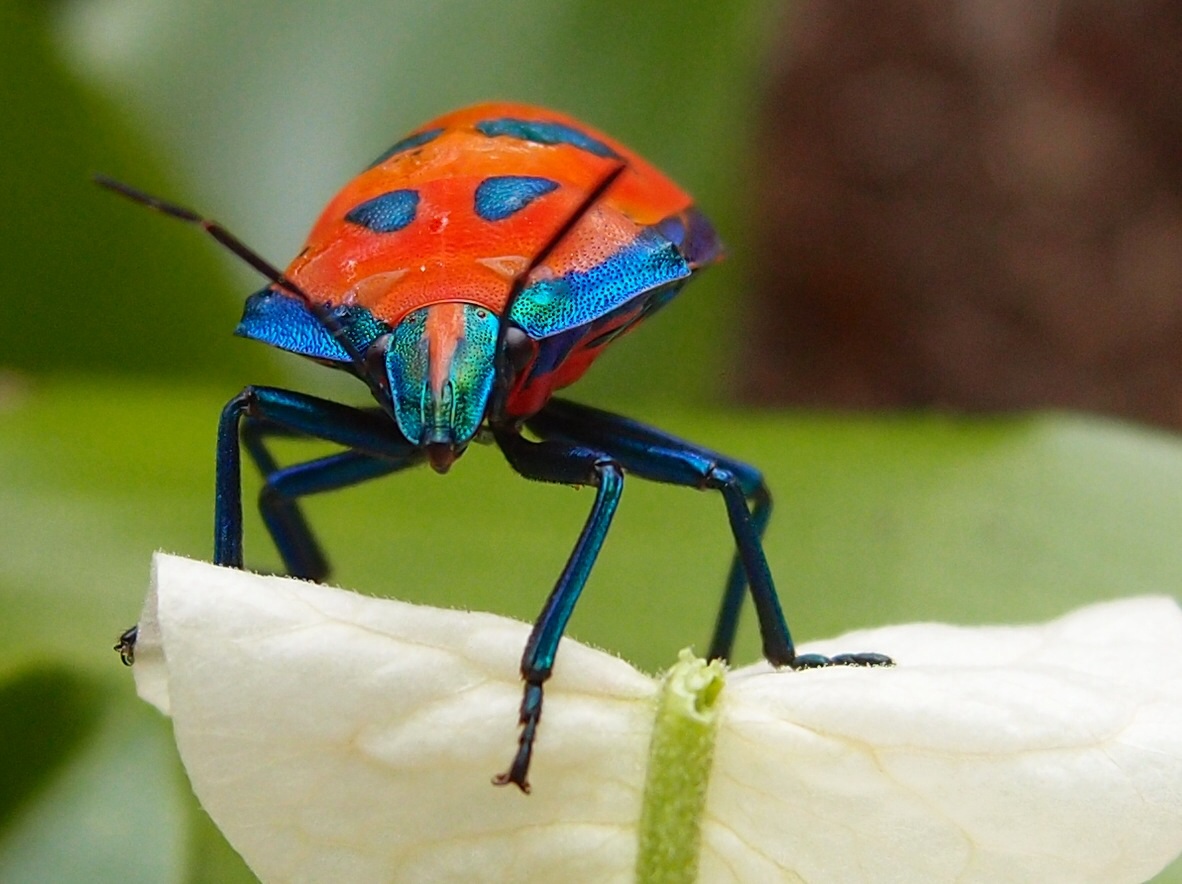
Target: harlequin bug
[{"x": 477, "y": 266}]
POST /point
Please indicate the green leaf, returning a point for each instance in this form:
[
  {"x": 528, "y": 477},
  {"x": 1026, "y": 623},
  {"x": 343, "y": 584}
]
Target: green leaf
[
  {"x": 98, "y": 792},
  {"x": 94, "y": 285}
]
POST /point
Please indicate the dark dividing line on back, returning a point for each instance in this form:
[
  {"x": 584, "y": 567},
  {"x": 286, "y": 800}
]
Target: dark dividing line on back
[
  {"x": 543, "y": 253},
  {"x": 562, "y": 232}
]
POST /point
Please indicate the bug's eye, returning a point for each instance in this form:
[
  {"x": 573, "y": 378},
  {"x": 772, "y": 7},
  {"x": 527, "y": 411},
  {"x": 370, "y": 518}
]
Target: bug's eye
[
  {"x": 520, "y": 350},
  {"x": 375, "y": 360}
]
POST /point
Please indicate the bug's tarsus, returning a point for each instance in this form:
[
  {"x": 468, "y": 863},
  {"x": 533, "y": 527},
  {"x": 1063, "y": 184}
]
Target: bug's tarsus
[
  {"x": 527, "y": 720},
  {"x": 126, "y": 645}
]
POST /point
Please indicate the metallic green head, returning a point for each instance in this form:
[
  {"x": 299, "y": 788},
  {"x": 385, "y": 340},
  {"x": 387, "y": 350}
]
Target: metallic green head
[{"x": 440, "y": 365}]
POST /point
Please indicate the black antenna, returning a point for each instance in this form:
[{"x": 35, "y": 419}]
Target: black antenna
[
  {"x": 325, "y": 316},
  {"x": 320, "y": 311}
]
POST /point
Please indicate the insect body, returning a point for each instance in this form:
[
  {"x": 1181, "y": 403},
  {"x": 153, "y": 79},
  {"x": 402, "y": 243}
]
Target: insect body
[{"x": 480, "y": 264}]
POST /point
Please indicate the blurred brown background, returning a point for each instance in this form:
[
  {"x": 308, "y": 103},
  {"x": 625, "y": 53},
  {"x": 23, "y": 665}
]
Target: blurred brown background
[{"x": 974, "y": 205}]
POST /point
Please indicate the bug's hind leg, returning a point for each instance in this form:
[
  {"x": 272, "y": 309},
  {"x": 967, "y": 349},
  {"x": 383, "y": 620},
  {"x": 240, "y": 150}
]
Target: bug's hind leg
[
  {"x": 281, "y": 514},
  {"x": 568, "y": 464},
  {"x": 727, "y": 624},
  {"x": 658, "y": 456}
]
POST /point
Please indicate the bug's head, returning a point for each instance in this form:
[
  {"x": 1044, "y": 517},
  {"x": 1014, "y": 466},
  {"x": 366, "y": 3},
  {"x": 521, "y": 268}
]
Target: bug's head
[{"x": 439, "y": 364}]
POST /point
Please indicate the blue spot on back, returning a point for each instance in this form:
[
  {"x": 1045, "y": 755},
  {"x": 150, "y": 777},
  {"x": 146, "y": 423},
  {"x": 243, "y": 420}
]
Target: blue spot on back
[
  {"x": 386, "y": 213},
  {"x": 545, "y": 132},
  {"x": 408, "y": 143},
  {"x": 503, "y": 195}
]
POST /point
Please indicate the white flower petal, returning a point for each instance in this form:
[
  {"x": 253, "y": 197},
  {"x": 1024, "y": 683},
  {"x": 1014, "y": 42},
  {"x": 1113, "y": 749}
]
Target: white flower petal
[
  {"x": 338, "y": 737},
  {"x": 1035, "y": 753},
  {"x": 335, "y": 737}
]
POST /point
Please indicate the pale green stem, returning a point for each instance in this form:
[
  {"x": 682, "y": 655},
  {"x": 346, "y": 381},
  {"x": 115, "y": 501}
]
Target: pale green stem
[{"x": 680, "y": 756}]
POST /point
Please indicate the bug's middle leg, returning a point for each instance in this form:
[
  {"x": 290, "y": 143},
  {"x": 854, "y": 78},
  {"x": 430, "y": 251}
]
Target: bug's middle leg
[
  {"x": 726, "y": 625},
  {"x": 658, "y": 456},
  {"x": 284, "y": 519}
]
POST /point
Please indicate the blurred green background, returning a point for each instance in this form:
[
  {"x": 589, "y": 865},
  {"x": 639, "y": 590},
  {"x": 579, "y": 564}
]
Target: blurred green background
[{"x": 116, "y": 355}]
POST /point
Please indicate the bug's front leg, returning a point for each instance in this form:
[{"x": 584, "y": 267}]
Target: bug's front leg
[
  {"x": 569, "y": 464},
  {"x": 370, "y": 435}
]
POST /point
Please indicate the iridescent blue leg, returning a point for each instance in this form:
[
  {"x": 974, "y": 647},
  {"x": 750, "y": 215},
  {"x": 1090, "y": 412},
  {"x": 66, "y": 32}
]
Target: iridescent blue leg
[
  {"x": 376, "y": 447},
  {"x": 727, "y": 624},
  {"x": 756, "y": 491},
  {"x": 283, "y": 517},
  {"x": 658, "y": 456},
  {"x": 301, "y": 553},
  {"x": 568, "y": 464},
  {"x": 285, "y": 522},
  {"x": 661, "y": 457}
]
